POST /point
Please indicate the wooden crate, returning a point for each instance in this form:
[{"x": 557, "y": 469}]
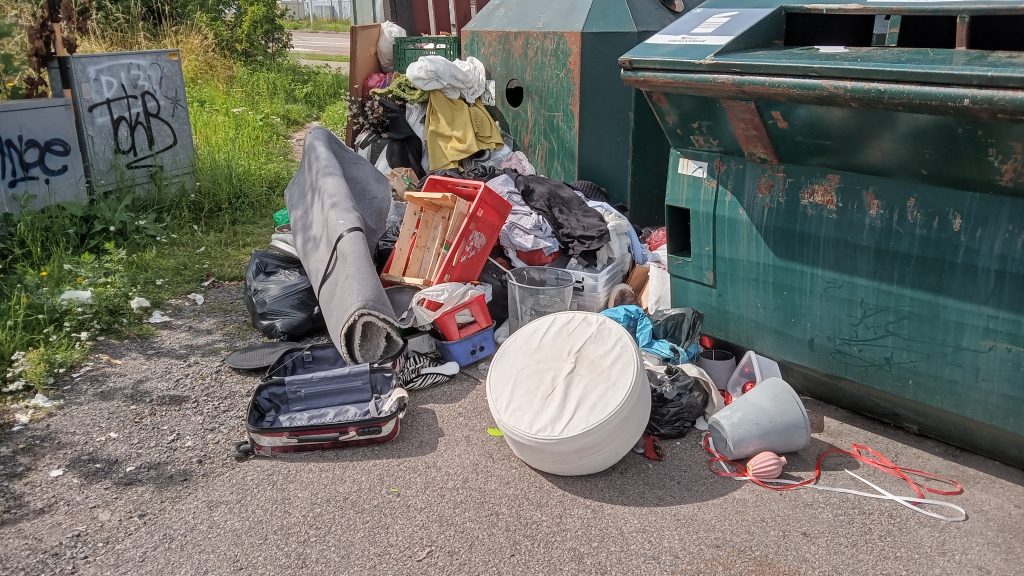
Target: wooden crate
[{"x": 432, "y": 222}]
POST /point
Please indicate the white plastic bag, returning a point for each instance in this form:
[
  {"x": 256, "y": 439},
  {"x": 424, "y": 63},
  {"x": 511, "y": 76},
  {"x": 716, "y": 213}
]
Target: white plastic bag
[
  {"x": 449, "y": 294},
  {"x": 416, "y": 115},
  {"x": 386, "y": 45},
  {"x": 659, "y": 290}
]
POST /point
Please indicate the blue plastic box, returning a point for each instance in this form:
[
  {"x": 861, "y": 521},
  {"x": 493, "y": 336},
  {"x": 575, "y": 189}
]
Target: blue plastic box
[{"x": 468, "y": 350}]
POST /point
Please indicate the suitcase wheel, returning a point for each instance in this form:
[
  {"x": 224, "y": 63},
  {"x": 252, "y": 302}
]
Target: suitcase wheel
[{"x": 243, "y": 451}]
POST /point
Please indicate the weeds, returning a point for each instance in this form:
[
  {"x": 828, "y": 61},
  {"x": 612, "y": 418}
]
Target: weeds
[
  {"x": 335, "y": 118},
  {"x": 157, "y": 246}
]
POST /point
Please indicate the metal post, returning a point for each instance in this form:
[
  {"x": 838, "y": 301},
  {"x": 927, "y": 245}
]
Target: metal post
[
  {"x": 430, "y": 10},
  {"x": 451, "y": 16}
]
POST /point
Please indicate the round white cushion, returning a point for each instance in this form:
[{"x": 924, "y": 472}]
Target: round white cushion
[{"x": 569, "y": 392}]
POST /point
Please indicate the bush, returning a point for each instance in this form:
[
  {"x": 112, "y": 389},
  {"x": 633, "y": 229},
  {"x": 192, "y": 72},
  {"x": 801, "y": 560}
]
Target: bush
[
  {"x": 12, "y": 64},
  {"x": 155, "y": 14},
  {"x": 247, "y": 30},
  {"x": 254, "y": 32}
]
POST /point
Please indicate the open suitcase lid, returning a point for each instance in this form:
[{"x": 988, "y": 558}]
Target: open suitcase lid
[
  {"x": 269, "y": 354},
  {"x": 258, "y": 356}
]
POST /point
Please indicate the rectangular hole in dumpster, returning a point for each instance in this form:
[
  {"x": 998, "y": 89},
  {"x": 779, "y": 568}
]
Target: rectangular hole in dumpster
[
  {"x": 927, "y": 32},
  {"x": 808, "y": 29},
  {"x": 997, "y": 32},
  {"x": 678, "y": 227}
]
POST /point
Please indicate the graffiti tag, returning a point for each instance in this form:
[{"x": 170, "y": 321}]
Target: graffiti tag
[
  {"x": 28, "y": 160},
  {"x": 132, "y": 116},
  {"x": 128, "y": 113}
]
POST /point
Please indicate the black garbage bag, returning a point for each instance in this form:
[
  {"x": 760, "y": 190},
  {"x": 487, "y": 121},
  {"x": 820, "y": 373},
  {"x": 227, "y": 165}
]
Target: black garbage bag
[
  {"x": 677, "y": 400},
  {"x": 680, "y": 326},
  {"x": 497, "y": 278},
  {"x": 404, "y": 148},
  {"x": 279, "y": 296}
]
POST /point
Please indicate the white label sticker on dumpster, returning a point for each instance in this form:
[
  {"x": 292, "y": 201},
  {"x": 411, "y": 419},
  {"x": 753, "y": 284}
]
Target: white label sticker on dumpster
[
  {"x": 709, "y": 26},
  {"x": 693, "y": 168}
]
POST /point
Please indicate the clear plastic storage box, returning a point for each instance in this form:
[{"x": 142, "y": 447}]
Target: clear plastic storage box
[{"x": 591, "y": 292}]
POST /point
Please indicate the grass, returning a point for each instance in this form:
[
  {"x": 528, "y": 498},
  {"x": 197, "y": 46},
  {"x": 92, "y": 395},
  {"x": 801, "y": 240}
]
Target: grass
[
  {"x": 320, "y": 57},
  {"x": 319, "y": 25},
  {"x": 122, "y": 246}
]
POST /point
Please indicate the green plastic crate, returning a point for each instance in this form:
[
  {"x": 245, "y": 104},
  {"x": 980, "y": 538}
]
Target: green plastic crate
[{"x": 408, "y": 49}]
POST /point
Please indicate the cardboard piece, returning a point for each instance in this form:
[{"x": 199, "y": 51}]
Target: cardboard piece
[
  {"x": 363, "y": 41},
  {"x": 402, "y": 180},
  {"x": 637, "y": 280}
]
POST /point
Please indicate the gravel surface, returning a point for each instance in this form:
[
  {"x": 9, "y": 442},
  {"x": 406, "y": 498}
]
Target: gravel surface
[{"x": 150, "y": 487}]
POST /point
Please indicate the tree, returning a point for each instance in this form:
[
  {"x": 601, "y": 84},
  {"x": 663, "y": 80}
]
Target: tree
[{"x": 253, "y": 31}]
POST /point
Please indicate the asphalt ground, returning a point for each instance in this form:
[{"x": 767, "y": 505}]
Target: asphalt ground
[{"x": 164, "y": 496}]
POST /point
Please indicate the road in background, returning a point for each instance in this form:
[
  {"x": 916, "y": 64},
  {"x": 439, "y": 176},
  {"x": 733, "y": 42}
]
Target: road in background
[{"x": 335, "y": 43}]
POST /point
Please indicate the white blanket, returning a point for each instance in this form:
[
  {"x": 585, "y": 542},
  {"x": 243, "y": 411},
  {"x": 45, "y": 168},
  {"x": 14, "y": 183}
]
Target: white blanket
[{"x": 464, "y": 79}]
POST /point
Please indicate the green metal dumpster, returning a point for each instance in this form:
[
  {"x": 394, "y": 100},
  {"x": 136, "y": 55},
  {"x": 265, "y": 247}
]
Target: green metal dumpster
[
  {"x": 846, "y": 194},
  {"x": 556, "y": 74}
]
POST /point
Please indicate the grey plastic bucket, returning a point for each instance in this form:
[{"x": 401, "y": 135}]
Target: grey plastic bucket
[
  {"x": 536, "y": 291},
  {"x": 770, "y": 418},
  {"x": 719, "y": 364}
]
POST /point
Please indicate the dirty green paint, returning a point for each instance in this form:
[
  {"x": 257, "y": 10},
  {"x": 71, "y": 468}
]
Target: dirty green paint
[
  {"x": 578, "y": 121},
  {"x": 545, "y": 125},
  {"x": 690, "y": 202},
  {"x": 942, "y": 150},
  {"x": 624, "y": 150},
  {"x": 911, "y": 291},
  {"x": 881, "y": 260},
  {"x": 648, "y": 151}
]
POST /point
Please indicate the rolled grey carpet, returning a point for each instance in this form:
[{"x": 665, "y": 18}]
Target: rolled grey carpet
[{"x": 338, "y": 205}]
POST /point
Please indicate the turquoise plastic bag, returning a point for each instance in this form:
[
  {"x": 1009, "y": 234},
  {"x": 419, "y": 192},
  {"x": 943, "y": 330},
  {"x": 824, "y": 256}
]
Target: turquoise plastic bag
[{"x": 637, "y": 323}]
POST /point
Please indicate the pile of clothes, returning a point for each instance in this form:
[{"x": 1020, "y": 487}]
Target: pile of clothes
[
  {"x": 433, "y": 120},
  {"x": 430, "y": 118}
]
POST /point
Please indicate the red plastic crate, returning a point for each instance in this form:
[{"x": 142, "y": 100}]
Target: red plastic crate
[
  {"x": 449, "y": 328},
  {"x": 468, "y": 254},
  {"x": 459, "y": 256}
]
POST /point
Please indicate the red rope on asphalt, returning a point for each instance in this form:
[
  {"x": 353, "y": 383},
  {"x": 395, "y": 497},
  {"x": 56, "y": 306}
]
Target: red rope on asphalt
[{"x": 859, "y": 452}]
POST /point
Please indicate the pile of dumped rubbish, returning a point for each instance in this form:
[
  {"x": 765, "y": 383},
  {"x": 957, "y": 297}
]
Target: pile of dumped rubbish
[{"x": 433, "y": 245}]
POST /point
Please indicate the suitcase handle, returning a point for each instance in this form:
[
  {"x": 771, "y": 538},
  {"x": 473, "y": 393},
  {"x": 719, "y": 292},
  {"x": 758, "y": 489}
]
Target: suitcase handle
[
  {"x": 399, "y": 397},
  {"x": 336, "y": 437}
]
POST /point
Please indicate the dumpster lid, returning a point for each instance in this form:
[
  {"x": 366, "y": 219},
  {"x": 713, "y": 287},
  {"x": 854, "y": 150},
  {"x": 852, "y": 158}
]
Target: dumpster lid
[
  {"x": 575, "y": 16},
  {"x": 948, "y": 42}
]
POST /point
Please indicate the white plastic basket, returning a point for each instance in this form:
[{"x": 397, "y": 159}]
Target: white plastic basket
[{"x": 752, "y": 367}]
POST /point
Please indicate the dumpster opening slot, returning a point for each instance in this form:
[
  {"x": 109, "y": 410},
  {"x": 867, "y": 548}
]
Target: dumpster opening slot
[
  {"x": 514, "y": 93},
  {"x": 927, "y": 32},
  {"x": 996, "y": 32},
  {"x": 678, "y": 228},
  {"x": 810, "y": 29}
]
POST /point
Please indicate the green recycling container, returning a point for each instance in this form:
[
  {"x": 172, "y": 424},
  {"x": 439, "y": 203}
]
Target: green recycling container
[
  {"x": 554, "y": 64},
  {"x": 846, "y": 195}
]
